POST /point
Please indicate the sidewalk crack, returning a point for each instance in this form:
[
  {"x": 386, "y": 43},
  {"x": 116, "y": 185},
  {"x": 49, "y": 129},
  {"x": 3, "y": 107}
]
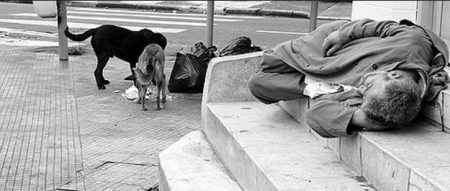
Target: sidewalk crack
[{"x": 127, "y": 163}]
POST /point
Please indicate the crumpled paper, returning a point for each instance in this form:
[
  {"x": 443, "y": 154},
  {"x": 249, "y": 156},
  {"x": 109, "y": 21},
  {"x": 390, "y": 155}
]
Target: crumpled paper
[{"x": 132, "y": 93}]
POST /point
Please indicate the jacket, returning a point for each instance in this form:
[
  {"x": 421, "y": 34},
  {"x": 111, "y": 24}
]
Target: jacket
[{"x": 370, "y": 46}]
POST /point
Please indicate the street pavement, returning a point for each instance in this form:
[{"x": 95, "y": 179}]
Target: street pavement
[
  {"x": 333, "y": 10},
  {"x": 59, "y": 132}
]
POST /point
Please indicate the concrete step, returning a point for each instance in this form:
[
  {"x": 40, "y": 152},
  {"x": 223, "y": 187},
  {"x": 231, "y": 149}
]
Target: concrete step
[
  {"x": 190, "y": 165},
  {"x": 416, "y": 158},
  {"x": 438, "y": 111},
  {"x": 266, "y": 149},
  {"x": 413, "y": 158}
]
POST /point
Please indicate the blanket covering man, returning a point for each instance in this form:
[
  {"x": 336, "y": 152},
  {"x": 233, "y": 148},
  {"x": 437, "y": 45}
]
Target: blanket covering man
[{"x": 366, "y": 46}]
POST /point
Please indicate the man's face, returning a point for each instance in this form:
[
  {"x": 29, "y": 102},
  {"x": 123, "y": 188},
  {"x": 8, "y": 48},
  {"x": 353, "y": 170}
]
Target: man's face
[{"x": 372, "y": 84}]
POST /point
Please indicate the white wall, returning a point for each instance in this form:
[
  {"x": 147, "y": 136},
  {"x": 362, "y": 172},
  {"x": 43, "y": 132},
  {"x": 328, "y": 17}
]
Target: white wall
[{"x": 385, "y": 10}]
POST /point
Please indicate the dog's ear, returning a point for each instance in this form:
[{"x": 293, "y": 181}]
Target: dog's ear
[
  {"x": 146, "y": 32},
  {"x": 159, "y": 39},
  {"x": 163, "y": 41},
  {"x": 406, "y": 22}
]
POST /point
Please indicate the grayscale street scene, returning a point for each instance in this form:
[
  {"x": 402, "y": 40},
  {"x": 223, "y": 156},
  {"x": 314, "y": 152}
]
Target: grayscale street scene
[{"x": 224, "y": 95}]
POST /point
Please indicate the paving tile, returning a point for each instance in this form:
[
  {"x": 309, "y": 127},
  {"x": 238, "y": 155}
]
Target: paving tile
[
  {"x": 58, "y": 131},
  {"x": 40, "y": 144},
  {"x": 120, "y": 142}
]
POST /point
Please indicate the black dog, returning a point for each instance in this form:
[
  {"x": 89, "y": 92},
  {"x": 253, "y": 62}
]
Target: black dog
[{"x": 109, "y": 40}]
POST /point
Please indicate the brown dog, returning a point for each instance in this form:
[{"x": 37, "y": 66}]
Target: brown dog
[{"x": 150, "y": 69}]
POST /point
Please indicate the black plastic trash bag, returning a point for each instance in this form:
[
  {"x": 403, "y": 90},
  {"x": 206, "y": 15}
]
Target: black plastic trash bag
[
  {"x": 203, "y": 53},
  {"x": 199, "y": 49},
  {"x": 239, "y": 45},
  {"x": 188, "y": 74}
]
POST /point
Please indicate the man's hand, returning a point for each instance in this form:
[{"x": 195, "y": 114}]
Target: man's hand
[
  {"x": 332, "y": 43},
  {"x": 360, "y": 119},
  {"x": 440, "y": 78}
]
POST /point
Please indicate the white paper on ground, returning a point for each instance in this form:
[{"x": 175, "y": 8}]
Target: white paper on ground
[{"x": 132, "y": 93}]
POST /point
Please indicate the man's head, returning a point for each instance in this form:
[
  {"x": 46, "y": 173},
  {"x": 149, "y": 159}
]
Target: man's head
[{"x": 391, "y": 98}]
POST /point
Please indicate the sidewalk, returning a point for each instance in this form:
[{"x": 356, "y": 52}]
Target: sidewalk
[
  {"x": 40, "y": 145},
  {"x": 339, "y": 10},
  {"x": 59, "y": 132}
]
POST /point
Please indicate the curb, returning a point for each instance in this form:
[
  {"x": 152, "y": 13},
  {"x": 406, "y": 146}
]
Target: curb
[
  {"x": 266, "y": 12},
  {"x": 186, "y": 9},
  {"x": 192, "y": 9}
]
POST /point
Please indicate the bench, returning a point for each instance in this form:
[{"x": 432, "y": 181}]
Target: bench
[{"x": 269, "y": 147}]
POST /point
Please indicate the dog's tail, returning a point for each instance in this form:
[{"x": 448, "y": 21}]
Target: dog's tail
[
  {"x": 80, "y": 37},
  {"x": 143, "y": 78}
]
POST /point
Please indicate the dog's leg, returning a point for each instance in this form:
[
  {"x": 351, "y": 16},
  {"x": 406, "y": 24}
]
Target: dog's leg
[
  {"x": 101, "y": 63},
  {"x": 143, "y": 91},
  {"x": 138, "y": 86},
  {"x": 158, "y": 99},
  {"x": 131, "y": 77},
  {"x": 163, "y": 88},
  {"x": 138, "y": 99}
]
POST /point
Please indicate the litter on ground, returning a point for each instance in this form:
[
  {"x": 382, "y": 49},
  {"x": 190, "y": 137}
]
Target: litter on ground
[{"x": 132, "y": 93}]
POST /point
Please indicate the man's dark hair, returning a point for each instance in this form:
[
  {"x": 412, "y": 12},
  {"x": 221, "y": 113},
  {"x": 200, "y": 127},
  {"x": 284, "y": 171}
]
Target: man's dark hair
[
  {"x": 398, "y": 105},
  {"x": 406, "y": 22}
]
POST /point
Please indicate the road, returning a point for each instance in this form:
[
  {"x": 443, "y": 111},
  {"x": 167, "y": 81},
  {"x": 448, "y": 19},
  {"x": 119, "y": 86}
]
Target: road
[{"x": 19, "y": 21}]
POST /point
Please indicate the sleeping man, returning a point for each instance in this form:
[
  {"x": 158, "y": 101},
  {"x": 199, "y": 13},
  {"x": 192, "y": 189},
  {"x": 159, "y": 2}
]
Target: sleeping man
[{"x": 362, "y": 74}]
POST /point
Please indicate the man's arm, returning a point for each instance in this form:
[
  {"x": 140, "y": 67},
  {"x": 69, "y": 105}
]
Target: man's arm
[
  {"x": 332, "y": 119},
  {"x": 367, "y": 28},
  {"x": 339, "y": 115},
  {"x": 360, "y": 120},
  {"x": 359, "y": 29},
  {"x": 331, "y": 115}
]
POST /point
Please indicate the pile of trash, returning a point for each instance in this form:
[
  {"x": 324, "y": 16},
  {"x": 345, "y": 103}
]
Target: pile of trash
[
  {"x": 189, "y": 72},
  {"x": 239, "y": 45}
]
